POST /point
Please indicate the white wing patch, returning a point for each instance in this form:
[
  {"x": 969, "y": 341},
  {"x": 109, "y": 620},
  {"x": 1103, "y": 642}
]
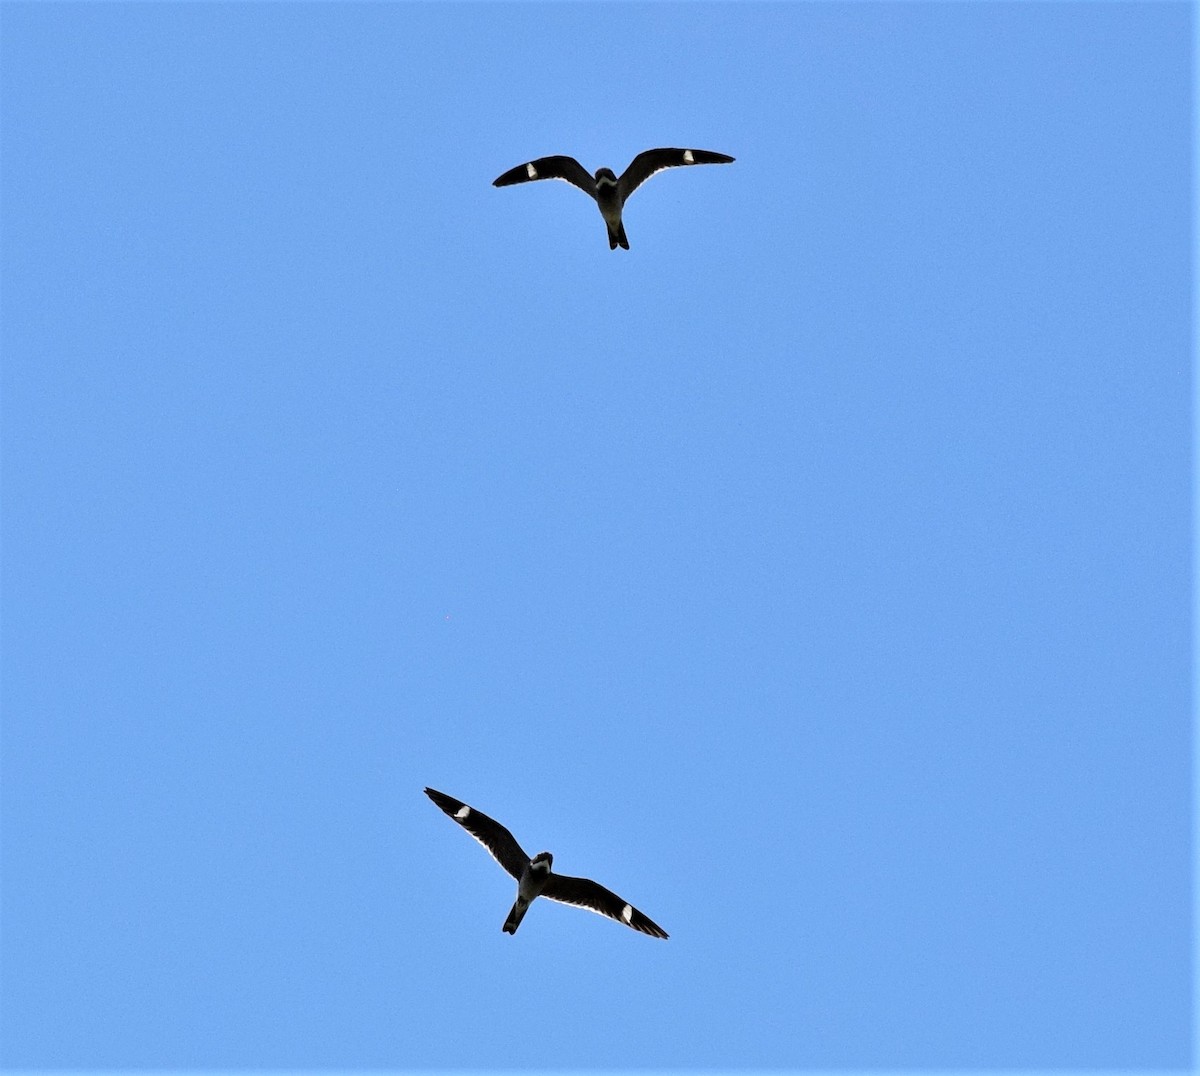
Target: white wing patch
[
  {"x": 462, "y": 813},
  {"x": 687, "y": 159},
  {"x": 531, "y": 171},
  {"x": 627, "y": 913}
]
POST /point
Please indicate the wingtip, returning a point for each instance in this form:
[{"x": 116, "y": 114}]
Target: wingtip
[{"x": 650, "y": 927}]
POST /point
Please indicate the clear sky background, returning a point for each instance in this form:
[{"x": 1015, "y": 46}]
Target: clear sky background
[{"x": 815, "y": 574}]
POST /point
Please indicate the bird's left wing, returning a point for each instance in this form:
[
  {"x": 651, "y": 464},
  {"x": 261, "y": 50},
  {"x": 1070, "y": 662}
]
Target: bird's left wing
[
  {"x": 584, "y": 893},
  {"x": 487, "y": 831},
  {"x": 646, "y": 164},
  {"x": 549, "y": 168}
]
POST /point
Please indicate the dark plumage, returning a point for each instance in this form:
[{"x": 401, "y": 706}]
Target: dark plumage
[
  {"x": 609, "y": 192},
  {"x": 535, "y": 878}
]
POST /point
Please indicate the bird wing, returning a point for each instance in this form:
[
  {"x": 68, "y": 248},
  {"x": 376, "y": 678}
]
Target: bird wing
[
  {"x": 487, "y": 831},
  {"x": 584, "y": 893},
  {"x": 549, "y": 168},
  {"x": 646, "y": 164}
]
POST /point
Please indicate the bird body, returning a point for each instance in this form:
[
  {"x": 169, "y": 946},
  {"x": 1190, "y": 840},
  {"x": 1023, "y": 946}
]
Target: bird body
[
  {"x": 608, "y": 198},
  {"x": 534, "y": 876},
  {"x": 609, "y": 192},
  {"x": 532, "y": 882}
]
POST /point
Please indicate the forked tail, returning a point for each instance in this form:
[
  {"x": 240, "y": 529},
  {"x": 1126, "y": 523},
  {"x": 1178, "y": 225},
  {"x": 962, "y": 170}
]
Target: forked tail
[{"x": 515, "y": 916}]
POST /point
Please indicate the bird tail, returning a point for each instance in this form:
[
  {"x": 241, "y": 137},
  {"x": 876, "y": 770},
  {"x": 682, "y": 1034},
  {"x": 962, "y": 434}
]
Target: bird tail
[
  {"x": 515, "y": 916},
  {"x": 617, "y": 237}
]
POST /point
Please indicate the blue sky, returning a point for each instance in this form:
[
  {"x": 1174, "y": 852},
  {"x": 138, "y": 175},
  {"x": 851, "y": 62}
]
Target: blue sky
[{"x": 814, "y": 574}]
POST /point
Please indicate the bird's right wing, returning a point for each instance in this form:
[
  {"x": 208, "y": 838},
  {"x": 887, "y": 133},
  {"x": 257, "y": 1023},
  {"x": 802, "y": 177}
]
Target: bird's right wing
[
  {"x": 584, "y": 893},
  {"x": 652, "y": 161},
  {"x": 566, "y": 168},
  {"x": 487, "y": 831}
]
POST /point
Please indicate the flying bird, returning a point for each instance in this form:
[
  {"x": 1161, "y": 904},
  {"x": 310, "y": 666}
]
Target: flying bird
[
  {"x": 534, "y": 876},
  {"x": 609, "y": 192}
]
